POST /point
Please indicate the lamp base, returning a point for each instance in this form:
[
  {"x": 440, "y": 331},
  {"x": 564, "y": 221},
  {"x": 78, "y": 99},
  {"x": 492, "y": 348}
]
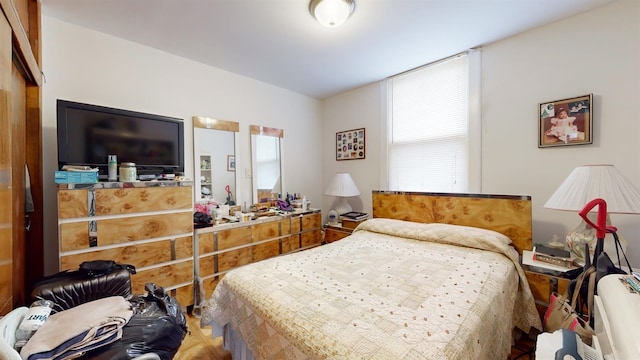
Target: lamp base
[
  {"x": 577, "y": 238},
  {"x": 585, "y": 234},
  {"x": 333, "y": 217},
  {"x": 343, "y": 206}
]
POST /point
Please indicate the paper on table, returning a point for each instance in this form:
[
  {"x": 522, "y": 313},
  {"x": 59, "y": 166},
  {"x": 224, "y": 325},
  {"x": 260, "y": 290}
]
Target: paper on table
[{"x": 78, "y": 168}]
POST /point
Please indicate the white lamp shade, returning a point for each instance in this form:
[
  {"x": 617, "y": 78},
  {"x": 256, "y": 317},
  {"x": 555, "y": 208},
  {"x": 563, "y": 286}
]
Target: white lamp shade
[
  {"x": 589, "y": 182},
  {"x": 331, "y": 13},
  {"x": 342, "y": 185}
]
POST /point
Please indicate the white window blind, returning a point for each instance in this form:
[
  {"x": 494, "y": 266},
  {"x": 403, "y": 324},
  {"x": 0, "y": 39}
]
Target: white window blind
[
  {"x": 428, "y": 147},
  {"x": 267, "y": 160}
]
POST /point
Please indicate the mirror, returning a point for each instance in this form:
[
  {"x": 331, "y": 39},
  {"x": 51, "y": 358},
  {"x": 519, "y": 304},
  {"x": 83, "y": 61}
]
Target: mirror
[
  {"x": 214, "y": 151},
  {"x": 266, "y": 163}
]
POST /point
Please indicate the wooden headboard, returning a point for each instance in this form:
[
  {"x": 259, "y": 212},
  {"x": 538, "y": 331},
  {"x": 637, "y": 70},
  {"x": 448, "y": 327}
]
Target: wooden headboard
[{"x": 507, "y": 214}]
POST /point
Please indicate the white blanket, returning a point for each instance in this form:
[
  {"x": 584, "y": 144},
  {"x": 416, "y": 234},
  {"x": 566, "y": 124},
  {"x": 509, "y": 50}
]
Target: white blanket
[{"x": 391, "y": 290}]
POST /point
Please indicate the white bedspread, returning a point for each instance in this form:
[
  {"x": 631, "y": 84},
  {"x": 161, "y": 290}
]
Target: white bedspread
[{"x": 391, "y": 290}]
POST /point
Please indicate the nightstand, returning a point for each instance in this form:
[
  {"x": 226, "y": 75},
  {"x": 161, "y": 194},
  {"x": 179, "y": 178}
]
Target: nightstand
[
  {"x": 542, "y": 283},
  {"x": 341, "y": 230}
]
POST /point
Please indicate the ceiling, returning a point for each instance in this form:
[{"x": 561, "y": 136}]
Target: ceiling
[{"x": 280, "y": 43}]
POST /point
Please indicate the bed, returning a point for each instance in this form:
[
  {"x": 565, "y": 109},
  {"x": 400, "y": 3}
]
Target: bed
[{"x": 431, "y": 276}]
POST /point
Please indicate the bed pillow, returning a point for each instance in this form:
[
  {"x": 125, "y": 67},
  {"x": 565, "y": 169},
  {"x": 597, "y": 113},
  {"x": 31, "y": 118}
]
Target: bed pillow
[{"x": 437, "y": 232}]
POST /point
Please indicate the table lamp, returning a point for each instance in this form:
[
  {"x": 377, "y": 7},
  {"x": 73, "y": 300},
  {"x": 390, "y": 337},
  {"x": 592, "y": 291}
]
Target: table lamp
[
  {"x": 584, "y": 184},
  {"x": 342, "y": 186}
]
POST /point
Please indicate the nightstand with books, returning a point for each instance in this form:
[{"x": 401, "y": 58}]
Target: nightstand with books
[{"x": 545, "y": 268}]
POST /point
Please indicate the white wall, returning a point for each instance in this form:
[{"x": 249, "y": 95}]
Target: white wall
[
  {"x": 90, "y": 67},
  {"x": 359, "y": 108},
  {"x": 596, "y": 52}
]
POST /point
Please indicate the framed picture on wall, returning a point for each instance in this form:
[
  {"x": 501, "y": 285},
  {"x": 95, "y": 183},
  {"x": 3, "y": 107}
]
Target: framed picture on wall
[
  {"x": 231, "y": 163},
  {"x": 566, "y": 122},
  {"x": 350, "y": 144}
]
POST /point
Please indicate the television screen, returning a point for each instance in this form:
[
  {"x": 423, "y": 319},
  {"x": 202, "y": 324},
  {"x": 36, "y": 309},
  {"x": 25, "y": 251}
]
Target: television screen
[{"x": 87, "y": 134}]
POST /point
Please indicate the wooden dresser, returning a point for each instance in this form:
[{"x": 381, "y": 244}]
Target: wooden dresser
[
  {"x": 221, "y": 248},
  {"x": 145, "y": 224}
]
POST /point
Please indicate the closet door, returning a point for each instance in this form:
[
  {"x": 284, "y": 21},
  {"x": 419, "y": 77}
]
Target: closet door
[
  {"x": 20, "y": 145},
  {"x": 7, "y": 288}
]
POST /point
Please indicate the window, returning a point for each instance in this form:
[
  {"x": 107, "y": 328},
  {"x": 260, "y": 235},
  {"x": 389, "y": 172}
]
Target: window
[
  {"x": 433, "y": 127},
  {"x": 268, "y": 161}
]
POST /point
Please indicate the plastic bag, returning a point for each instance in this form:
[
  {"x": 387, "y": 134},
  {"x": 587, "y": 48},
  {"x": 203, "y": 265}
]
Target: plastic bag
[{"x": 157, "y": 326}]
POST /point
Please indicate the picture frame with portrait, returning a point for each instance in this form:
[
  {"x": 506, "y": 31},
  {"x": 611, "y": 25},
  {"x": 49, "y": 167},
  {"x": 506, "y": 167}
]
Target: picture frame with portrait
[
  {"x": 566, "y": 122},
  {"x": 350, "y": 144}
]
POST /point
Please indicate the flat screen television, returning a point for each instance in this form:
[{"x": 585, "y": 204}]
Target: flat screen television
[{"x": 87, "y": 134}]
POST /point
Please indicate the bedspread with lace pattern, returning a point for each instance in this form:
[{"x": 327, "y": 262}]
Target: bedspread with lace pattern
[{"x": 391, "y": 290}]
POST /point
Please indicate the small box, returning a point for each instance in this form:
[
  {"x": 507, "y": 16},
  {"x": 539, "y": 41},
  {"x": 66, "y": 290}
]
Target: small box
[
  {"x": 76, "y": 177},
  {"x": 549, "y": 259}
]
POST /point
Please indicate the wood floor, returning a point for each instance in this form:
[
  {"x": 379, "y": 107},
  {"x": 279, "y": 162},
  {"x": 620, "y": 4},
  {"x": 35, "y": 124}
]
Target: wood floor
[{"x": 198, "y": 344}]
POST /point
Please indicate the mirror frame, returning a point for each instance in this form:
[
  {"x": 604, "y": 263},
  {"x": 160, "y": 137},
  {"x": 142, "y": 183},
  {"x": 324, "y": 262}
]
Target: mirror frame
[
  {"x": 256, "y": 130},
  {"x": 207, "y": 123}
]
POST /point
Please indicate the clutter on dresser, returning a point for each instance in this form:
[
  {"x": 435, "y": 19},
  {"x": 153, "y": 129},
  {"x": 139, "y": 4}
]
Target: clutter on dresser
[
  {"x": 112, "y": 168},
  {"x": 298, "y": 202},
  {"x": 201, "y": 219}
]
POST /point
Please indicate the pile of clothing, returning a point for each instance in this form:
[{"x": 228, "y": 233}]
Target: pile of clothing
[
  {"x": 112, "y": 327},
  {"x": 95, "y": 316},
  {"x": 76, "y": 331}
]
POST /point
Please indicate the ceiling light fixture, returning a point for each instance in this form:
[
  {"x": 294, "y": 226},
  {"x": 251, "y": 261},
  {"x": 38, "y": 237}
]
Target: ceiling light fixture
[{"x": 331, "y": 13}]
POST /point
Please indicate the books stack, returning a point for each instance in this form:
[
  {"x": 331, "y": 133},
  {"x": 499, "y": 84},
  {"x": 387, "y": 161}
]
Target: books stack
[
  {"x": 354, "y": 215},
  {"x": 76, "y": 175},
  {"x": 553, "y": 256}
]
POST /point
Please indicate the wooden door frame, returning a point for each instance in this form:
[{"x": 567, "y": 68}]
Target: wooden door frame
[{"x": 23, "y": 140}]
